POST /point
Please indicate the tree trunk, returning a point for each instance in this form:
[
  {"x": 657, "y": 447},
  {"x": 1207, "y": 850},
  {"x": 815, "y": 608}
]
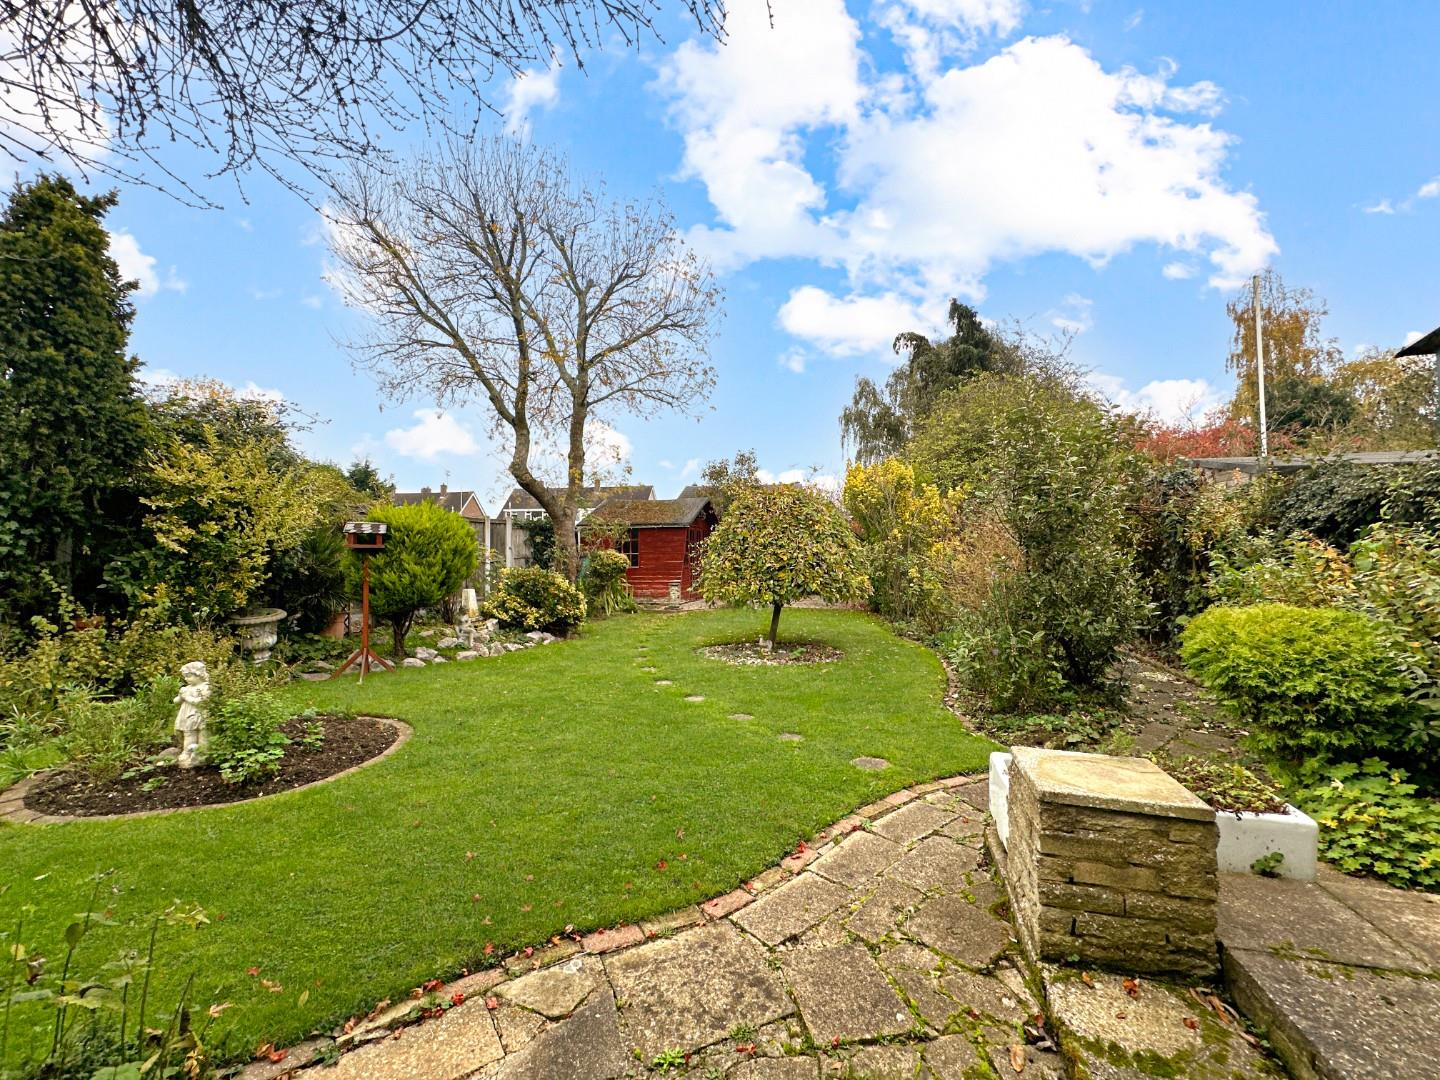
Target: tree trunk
[
  {"x": 568, "y": 562},
  {"x": 400, "y": 627},
  {"x": 775, "y": 626}
]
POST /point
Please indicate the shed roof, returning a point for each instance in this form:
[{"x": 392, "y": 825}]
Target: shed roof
[
  {"x": 650, "y": 513},
  {"x": 589, "y": 498},
  {"x": 446, "y": 499},
  {"x": 1428, "y": 344}
]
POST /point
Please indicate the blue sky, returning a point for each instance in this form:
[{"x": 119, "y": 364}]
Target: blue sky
[{"x": 1112, "y": 168}]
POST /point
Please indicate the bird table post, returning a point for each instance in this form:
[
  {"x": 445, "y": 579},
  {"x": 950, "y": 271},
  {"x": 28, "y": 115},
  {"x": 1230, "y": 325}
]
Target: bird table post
[{"x": 364, "y": 538}]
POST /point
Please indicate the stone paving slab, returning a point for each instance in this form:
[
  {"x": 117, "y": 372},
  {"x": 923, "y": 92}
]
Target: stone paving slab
[
  {"x": 687, "y": 991},
  {"x": 1301, "y": 917},
  {"x": 1412, "y": 919},
  {"x": 557, "y": 991},
  {"x": 791, "y": 1068},
  {"x": 588, "y": 1046},
  {"x": 937, "y": 862},
  {"x": 858, "y": 859},
  {"x": 912, "y": 821},
  {"x": 960, "y": 929},
  {"x": 457, "y": 1044},
  {"x": 894, "y": 1061},
  {"x": 878, "y": 915},
  {"x": 952, "y": 1057},
  {"x": 1336, "y": 1022},
  {"x": 792, "y": 909},
  {"x": 842, "y": 995}
]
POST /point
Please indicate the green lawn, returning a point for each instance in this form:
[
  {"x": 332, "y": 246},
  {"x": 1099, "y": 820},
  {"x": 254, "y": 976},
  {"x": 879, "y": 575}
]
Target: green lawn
[{"x": 540, "y": 789}]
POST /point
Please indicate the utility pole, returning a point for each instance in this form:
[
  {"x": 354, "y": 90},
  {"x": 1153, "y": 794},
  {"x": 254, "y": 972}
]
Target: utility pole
[{"x": 1260, "y": 365}]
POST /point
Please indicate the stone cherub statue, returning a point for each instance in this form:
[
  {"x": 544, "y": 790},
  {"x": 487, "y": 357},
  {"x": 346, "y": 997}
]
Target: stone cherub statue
[{"x": 191, "y": 719}]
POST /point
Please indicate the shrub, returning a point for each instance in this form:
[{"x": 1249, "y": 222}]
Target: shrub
[
  {"x": 530, "y": 598},
  {"x": 429, "y": 553},
  {"x": 1372, "y": 819},
  {"x": 246, "y": 743},
  {"x": 1309, "y": 681},
  {"x": 103, "y": 737},
  {"x": 1301, "y": 571},
  {"x": 776, "y": 545},
  {"x": 606, "y": 588}
]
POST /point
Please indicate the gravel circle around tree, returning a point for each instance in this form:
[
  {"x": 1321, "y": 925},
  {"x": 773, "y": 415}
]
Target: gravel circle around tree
[
  {"x": 348, "y": 743},
  {"x": 759, "y": 654}
]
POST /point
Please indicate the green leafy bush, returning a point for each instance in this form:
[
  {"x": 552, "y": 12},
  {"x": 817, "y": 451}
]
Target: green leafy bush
[
  {"x": 606, "y": 588},
  {"x": 246, "y": 743},
  {"x": 429, "y": 554},
  {"x": 1265, "y": 569},
  {"x": 1373, "y": 820},
  {"x": 529, "y": 598},
  {"x": 1308, "y": 681}
]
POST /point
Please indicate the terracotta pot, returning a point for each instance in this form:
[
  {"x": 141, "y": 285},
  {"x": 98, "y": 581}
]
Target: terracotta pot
[{"x": 336, "y": 629}]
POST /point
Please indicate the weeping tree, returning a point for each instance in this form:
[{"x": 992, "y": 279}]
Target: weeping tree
[
  {"x": 779, "y": 544},
  {"x": 491, "y": 275},
  {"x": 267, "y": 84}
]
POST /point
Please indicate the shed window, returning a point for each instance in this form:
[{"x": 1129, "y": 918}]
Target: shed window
[{"x": 630, "y": 546}]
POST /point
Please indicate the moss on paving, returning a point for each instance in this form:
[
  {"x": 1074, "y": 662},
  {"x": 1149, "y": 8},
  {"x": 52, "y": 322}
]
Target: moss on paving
[{"x": 541, "y": 789}]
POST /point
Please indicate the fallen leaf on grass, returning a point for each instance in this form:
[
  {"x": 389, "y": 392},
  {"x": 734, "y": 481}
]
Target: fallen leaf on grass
[{"x": 273, "y": 987}]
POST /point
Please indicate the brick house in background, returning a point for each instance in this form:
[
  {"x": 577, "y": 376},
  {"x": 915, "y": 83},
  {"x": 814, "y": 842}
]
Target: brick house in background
[{"x": 661, "y": 538}]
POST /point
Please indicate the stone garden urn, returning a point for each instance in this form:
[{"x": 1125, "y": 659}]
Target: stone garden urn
[{"x": 258, "y": 630}]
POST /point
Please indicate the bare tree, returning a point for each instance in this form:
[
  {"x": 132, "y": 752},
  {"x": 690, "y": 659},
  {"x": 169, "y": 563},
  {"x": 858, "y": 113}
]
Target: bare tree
[
  {"x": 490, "y": 273},
  {"x": 109, "y": 85}
]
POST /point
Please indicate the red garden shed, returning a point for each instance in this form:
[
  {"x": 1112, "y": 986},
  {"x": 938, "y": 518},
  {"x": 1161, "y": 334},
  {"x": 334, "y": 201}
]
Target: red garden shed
[{"x": 661, "y": 538}]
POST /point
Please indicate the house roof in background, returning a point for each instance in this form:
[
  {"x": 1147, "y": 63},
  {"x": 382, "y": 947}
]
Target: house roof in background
[
  {"x": 697, "y": 491},
  {"x": 589, "y": 498},
  {"x": 649, "y": 513},
  {"x": 454, "y": 501},
  {"x": 1428, "y": 344}
]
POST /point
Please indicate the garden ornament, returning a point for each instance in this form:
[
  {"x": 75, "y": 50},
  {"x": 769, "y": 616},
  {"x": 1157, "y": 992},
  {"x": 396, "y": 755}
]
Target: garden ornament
[{"x": 191, "y": 719}]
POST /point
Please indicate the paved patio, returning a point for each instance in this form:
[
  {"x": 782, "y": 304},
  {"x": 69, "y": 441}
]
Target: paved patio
[{"x": 880, "y": 949}]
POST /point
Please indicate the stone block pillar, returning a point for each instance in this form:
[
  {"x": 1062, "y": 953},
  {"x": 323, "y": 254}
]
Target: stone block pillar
[{"x": 1110, "y": 861}]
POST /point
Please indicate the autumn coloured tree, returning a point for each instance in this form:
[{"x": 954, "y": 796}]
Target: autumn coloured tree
[{"x": 778, "y": 544}]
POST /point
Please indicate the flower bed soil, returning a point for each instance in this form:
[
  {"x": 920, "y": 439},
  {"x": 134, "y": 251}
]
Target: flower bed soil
[
  {"x": 348, "y": 742},
  {"x": 753, "y": 652}
]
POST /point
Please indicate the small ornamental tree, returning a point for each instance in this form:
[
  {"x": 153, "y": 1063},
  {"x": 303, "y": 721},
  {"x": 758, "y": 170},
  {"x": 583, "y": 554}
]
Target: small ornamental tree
[
  {"x": 776, "y": 545},
  {"x": 428, "y": 555}
]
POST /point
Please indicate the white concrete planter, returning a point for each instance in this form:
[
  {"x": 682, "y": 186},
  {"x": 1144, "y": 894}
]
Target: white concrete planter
[
  {"x": 1000, "y": 796},
  {"x": 258, "y": 632},
  {"x": 1245, "y": 837}
]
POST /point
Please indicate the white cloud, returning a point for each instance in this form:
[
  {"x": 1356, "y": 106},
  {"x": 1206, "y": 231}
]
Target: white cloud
[
  {"x": 313, "y": 302},
  {"x": 854, "y": 324},
  {"x": 606, "y": 447},
  {"x": 135, "y": 265},
  {"x": 1177, "y": 271},
  {"x": 942, "y": 171},
  {"x": 538, "y": 88},
  {"x": 666, "y": 464},
  {"x": 1134, "y": 19},
  {"x": 1429, "y": 190},
  {"x": 434, "y": 432},
  {"x": 1410, "y": 338},
  {"x": 794, "y": 359},
  {"x": 692, "y": 468},
  {"x": 1168, "y": 400},
  {"x": 1075, "y": 315},
  {"x": 1384, "y": 206}
]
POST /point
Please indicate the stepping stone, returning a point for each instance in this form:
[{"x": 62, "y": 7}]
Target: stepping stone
[
  {"x": 894, "y": 1062},
  {"x": 663, "y": 682},
  {"x": 841, "y": 994},
  {"x": 517, "y": 1026},
  {"x": 870, "y": 764},
  {"x": 954, "y": 1057},
  {"x": 912, "y": 821},
  {"x": 1411, "y": 918},
  {"x": 694, "y": 697},
  {"x": 688, "y": 991},
  {"x": 741, "y": 716},
  {"x": 977, "y": 794},
  {"x": 879, "y": 915},
  {"x": 988, "y": 997},
  {"x": 457, "y": 1044},
  {"x": 556, "y": 991},
  {"x": 912, "y": 968},
  {"x": 959, "y": 929},
  {"x": 858, "y": 859},
  {"x": 792, "y": 909},
  {"x": 790, "y": 736},
  {"x": 937, "y": 862},
  {"x": 588, "y": 1046}
]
